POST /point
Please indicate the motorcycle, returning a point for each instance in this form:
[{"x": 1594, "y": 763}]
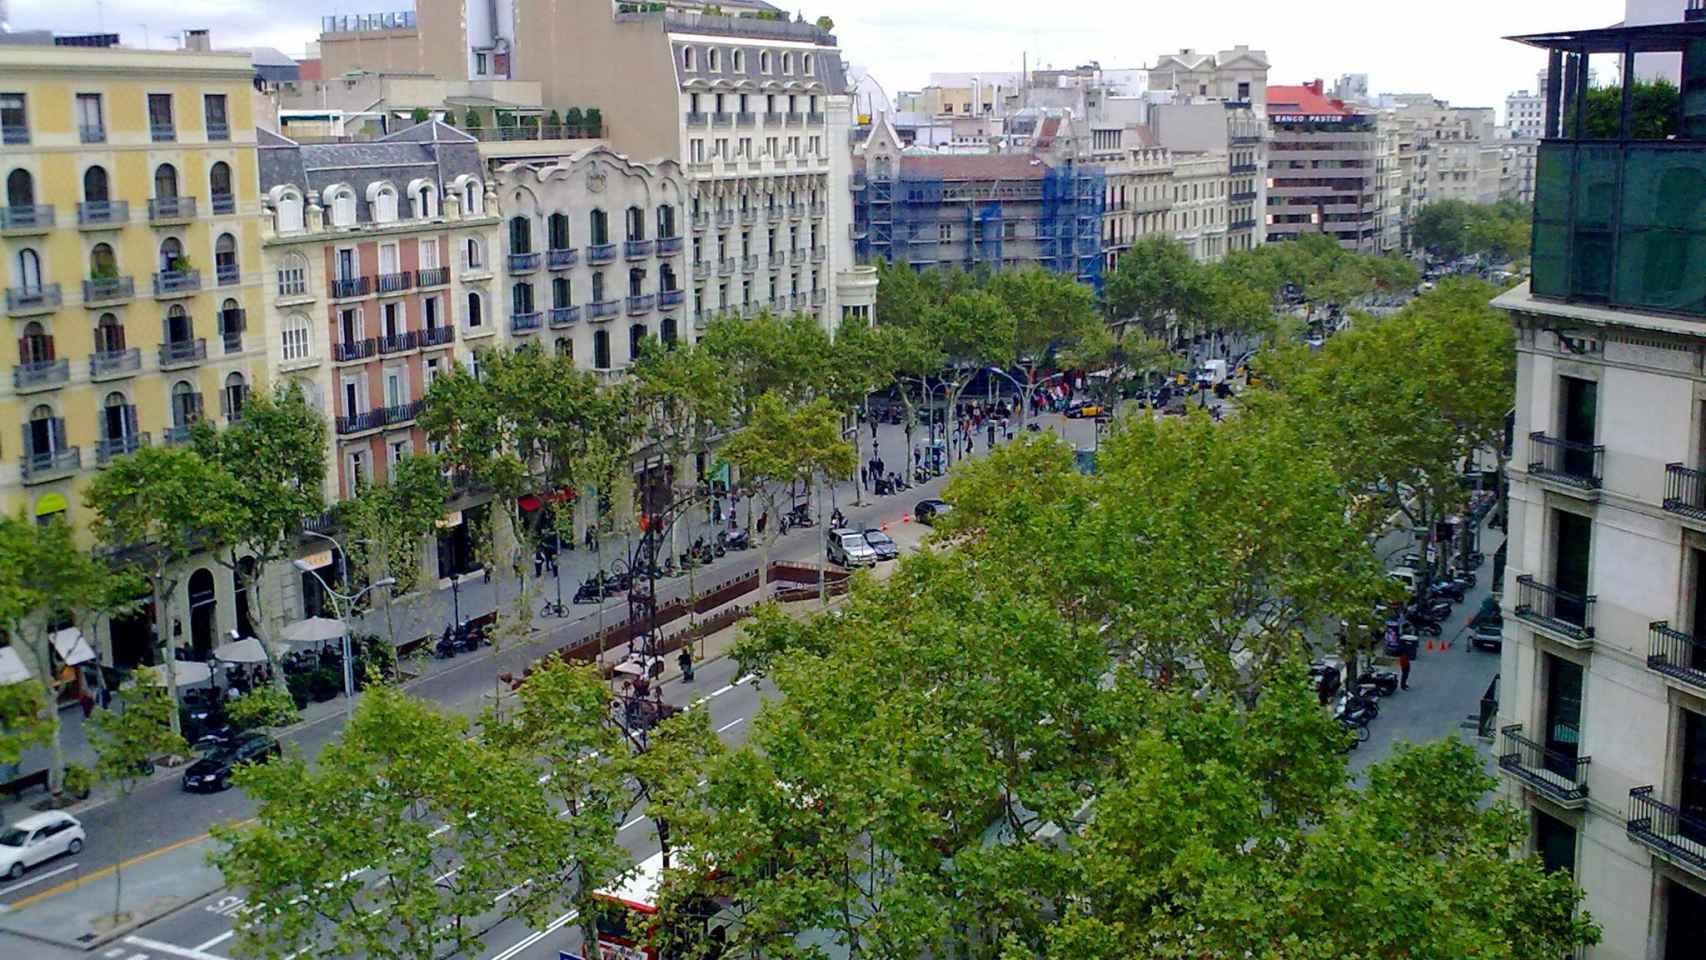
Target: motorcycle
[
  {"x": 1451, "y": 590},
  {"x": 590, "y": 591},
  {"x": 739, "y": 540},
  {"x": 837, "y": 519},
  {"x": 1357, "y": 710},
  {"x": 801, "y": 515},
  {"x": 1383, "y": 682},
  {"x": 446, "y": 646}
]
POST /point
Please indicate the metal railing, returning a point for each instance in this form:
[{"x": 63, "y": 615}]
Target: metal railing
[
  {"x": 227, "y": 274},
  {"x": 795, "y": 119},
  {"x": 163, "y": 132},
  {"x": 526, "y": 322},
  {"x": 403, "y": 412},
  {"x": 534, "y": 131},
  {"x": 561, "y": 257},
  {"x": 107, "y": 448},
  {"x": 745, "y": 118},
  {"x": 525, "y": 262},
  {"x": 564, "y": 316},
  {"x": 438, "y": 336},
  {"x": 396, "y": 282},
  {"x": 819, "y": 253},
  {"x": 100, "y": 213},
  {"x": 27, "y": 216},
  {"x": 176, "y": 281},
  {"x": 698, "y": 118},
  {"x": 1666, "y": 829},
  {"x": 725, "y": 218},
  {"x": 1685, "y": 491},
  {"x": 669, "y": 245},
  {"x": 351, "y": 287},
  {"x": 91, "y": 133},
  {"x": 111, "y": 363},
  {"x": 45, "y": 464},
  {"x": 218, "y": 131},
  {"x": 601, "y": 253},
  {"x": 701, "y": 269},
  {"x": 814, "y": 118},
  {"x": 1576, "y": 464},
  {"x": 40, "y": 374},
  {"x": 726, "y": 266},
  {"x": 223, "y": 203},
  {"x": 722, "y": 119},
  {"x": 601, "y": 309},
  {"x": 432, "y": 277},
  {"x": 669, "y": 298},
  {"x": 749, "y": 263},
  {"x": 1559, "y": 775},
  {"x": 774, "y": 117},
  {"x": 29, "y": 299},
  {"x": 356, "y": 423},
  {"x": 1558, "y": 610},
  {"x": 637, "y": 249},
  {"x": 344, "y": 351},
  {"x": 400, "y": 342},
  {"x": 183, "y": 352},
  {"x": 108, "y": 289},
  {"x": 700, "y": 220},
  {"x": 1676, "y": 654},
  {"x": 640, "y": 304},
  {"x": 818, "y": 209},
  {"x": 177, "y": 434},
  {"x": 171, "y": 208}
]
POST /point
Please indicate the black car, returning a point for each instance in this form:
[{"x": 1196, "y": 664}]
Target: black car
[
  {"x": 882, "y": 543},
  {"x": 213, "y": 770},
  {"x": 928, "y": 510}
]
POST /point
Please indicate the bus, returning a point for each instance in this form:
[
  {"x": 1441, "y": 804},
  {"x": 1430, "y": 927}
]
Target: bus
[{"x": 625, "y": 910}]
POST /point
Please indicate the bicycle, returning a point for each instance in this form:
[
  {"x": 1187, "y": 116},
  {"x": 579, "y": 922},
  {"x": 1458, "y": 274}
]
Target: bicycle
[{"x": 553, "y": 608}]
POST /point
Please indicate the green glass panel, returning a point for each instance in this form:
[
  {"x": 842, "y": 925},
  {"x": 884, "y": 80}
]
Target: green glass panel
[
  {"x": 1596, "y": 185},
  {"x": 1662, "y": 270},
  {"x": 1590, "y": 263},
  {"x": 1551, "y": 244},
  {"x": 1552, "y": 182}
]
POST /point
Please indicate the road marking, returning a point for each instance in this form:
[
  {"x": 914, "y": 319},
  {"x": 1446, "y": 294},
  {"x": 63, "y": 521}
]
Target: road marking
[
  {"x": 629, "y": 824},
  {"x": 35, "y": 880},
  {"x": 216, "y": 941},
  {"x": 113, "y": 952},
  {"x": 171, "y": 948},
  {"x": 731, "y": 724},
  {"x": 534, "y": 938},
  {"x": 104, "y": 871}
]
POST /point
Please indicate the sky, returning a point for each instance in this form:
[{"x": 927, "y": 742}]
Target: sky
[{"x": 1449, "y": 48}]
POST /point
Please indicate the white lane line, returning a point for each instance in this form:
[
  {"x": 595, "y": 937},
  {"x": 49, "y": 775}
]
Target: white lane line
[
  {"x": 533, "y": 938},
  {"x": 134, "y": 956},
  {"x": 50, "y": 873},
  {"x": 216, "y": 941},
  {"x": 171, "y": 948},
  {"x": 746, "y": 679},
  {"x": 114, "y": 952},
  {"x": 731, "y": 724},
  {"x": 629, "y": 824}
]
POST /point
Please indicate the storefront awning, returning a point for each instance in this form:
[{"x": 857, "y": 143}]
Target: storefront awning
[
  {"x": 12, "y": 669},
  {"x": 72, "y": 647}
]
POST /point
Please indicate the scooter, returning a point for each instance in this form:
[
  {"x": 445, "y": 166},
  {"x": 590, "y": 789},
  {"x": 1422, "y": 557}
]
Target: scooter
[
  {"x": 1383, "y": 682},
  {"x": 446, "y": 646},
  {"x": 739, "y": 540},
  {"x": 590, "y": 591}
]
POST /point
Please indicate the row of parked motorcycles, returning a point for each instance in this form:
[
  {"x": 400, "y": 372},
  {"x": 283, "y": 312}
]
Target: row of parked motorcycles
[
  {"x": 464, "y": 637},
  {"x": 1428, "y": 610},
  {"x": 1354, "y": 707},
  {"x": 891, "y": 482},
  {"x": 601, "y": 584}
]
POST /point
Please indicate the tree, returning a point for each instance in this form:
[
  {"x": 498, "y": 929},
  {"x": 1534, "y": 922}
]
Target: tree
[
  {"x": 1050, "y": 312},
  {"x": 420, "y": 115},
  {"x": 127, "y": 741},
  {"x": 155, "y": 509},
  {"x": 825, "y": 24},
  {"x": 387, "y": 522},
  {"x": 1453, "y": 228},
  {"x": 1653, "y": 111},
  {"x": 783, "y": 444},
  {"x": 431, "y": 827},
  {"x": 45, "y": 580},
  {"x": 1156, "y": 285},
  {"x": 861, "y": 362},
  {"x": 471, "y": 120}
]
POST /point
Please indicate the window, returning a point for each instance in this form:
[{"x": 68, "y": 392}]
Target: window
[
  {"x": 806, "y": 68},
  {"x": 1244, "y": 90},
  {"x": 46, "y": 432},
  {"x": 295, "y": 339},
  {"x": 481, "y": 67},
  {"x": 356, "y": 470},
  {"x": 475, "y": 319},
  {"x": 687, "y": 58},
  {"x": 740, "y": 61},
  {"x": 520, "y": 235},
  {"x": 1563, "y": 714},
  {"x": 426, "y": 253},
  {"x": 225, "y": 259},
  {"x": 118, "y": 417},
  {"x": 636, "y": 340},
  {"x": 293, "y": 275},
  {"x": 102, "y": 262},
  {"x": 713, "y": 60},
  {"x": 35, "y": 346},
  {"x": 787, "y": 63},
  {"x": 764, "y": 61},
  {"x": 91, "y": 125},
  {"x": 473, "y": 198},
  {"x": 288, "y": 204},
  {"x": 600, "y": 227},
  {"x": 165, "y": 181},
  {"x": 473, "y": 255},
  {"x": 565, "y": 348},
  {"x": 219, "y": 188},
  {"x": 395, "y": 451},
  {"x": 29, "y": 269},
  {"x": 341, "y": 206},
  {"x": 160, "y": 124},
  {"x": 382, "y": 202},
  {"x": 636, "y": 223},
  {"x": 14, "y": 125},
  {"x": 393, "y": 319},
  {"x": 213, "y": 109},
  {"x": 109, "y": 334},
  {"x": 601, "y": 349},
  {"x": 231, "y": 401},
  {"x": 557, "y": 230},
  {"x": 186, "y": 404},
  {"x": 179, "y": 328},
  {"x": 598, "y": 286},
  {"x": 425, "y": 197},
  {"x": 429, "y": 312},
  {"x": 560, "y": 292},
  {"x": 95, "y": 185},
  {"x": 20, "y": 189},
  {"x": 521, "y": 298},
  {"x": 696, "y": 150}
]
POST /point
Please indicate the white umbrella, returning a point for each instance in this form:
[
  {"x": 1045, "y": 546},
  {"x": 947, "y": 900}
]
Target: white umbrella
[
  {"x": 186, "y": 672},
  {"x": 72, "y": 647},
  {"x": 634, "y": 667},
  {"x": 313, "y": 630},
  {"x": 12, "y": 669},
  {"x": 246, "y": 650}
]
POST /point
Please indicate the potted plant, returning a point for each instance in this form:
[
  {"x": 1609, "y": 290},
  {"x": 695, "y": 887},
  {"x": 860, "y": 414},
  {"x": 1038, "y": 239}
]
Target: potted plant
[
  {"x": 79, "y": 780},
  {"x": 300, "y": 686},
  {"x": 574, "y": 121},
  {"x": 594, "y": 122},
  {"x": 182, "y": 264},
  {"x": 471, "y": 120}
]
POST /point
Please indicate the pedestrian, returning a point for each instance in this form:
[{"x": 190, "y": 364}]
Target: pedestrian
[
  {"x": 863, "y": 473},
  {"x": 106, "y": 697},
  {"x": 1404, "y": 670},
  {"x": 87, "y": 702},
  {"x": 686, "y": 662},
  {"x": 763, "y": 518},
  {"x": 990, "y": 434}
]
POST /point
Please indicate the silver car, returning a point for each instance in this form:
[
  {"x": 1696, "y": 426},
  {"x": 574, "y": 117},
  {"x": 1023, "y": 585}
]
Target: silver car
[{"x": 849, "y": 549}]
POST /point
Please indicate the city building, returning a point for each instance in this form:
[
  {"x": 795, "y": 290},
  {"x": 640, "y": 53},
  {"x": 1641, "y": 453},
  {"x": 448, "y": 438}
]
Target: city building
[
  {"x": 1602, "y": 710},
  {"x": 132, "y": 270},
  {"x": 1524, "y": 114},
  {"x": 1323, "y": 173},
  {"x": 1218, "y": 104},
  {"x": 1199, "y": 212},
  {"x": 756, "y": 108},
  {"x": 1237, "y": 75},
  {"x": 995, "y": 210},
  {"x": 1516, "y": 170},
  {"x": 1139, "y": 179}
]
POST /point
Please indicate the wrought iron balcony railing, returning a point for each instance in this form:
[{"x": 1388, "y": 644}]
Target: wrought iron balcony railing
[
  {"x": 1559, "y": 611},
  {"x": 1677, "y": 835},
  {"x": 1558, "y": 775},
  {"x": 1576, "y": 464}
]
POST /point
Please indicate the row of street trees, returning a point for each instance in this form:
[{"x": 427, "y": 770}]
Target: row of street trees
[{"x": 1454, "y": 228}]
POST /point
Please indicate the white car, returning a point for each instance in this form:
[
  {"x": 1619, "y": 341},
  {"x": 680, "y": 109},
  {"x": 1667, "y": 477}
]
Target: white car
[
  {"x": 849, "y": 549},
  {"x": 37, "y": 839}
]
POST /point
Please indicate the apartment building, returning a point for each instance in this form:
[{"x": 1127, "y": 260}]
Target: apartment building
[
  {"x": 1603, "y": 673},
  {"x": 1238, "y": 75},
  {"x": 1218, "y": 103},
  {"x": 1525, "y": 114},
  {"x": 1322, "y": 169},
  {"x": 1138, "y": 200},
  {"x": 1201, "y": 187},
  {"x": 131, "y": 265},
  {"x": 754, "y": 107}
]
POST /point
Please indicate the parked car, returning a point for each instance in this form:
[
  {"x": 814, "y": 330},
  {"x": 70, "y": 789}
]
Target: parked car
[
  {"x": 37, "y": 839},
  {"x": 849, "y": 549},
  {"x": 1080, "y": 410},
  {"x": 1487, "y": 636},
  {"x": 928, "y": 510},
  {"x": 213, "y": 771},
  {"x": 882, "y": 544}
]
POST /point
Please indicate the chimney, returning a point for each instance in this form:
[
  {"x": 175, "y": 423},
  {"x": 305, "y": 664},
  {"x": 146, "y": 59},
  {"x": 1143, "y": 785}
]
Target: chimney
[
  {"x": 1313, "y": 86},
  {"x": 198, "y": 40}
]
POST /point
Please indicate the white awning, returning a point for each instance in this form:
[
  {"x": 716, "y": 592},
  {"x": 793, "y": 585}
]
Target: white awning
[
  {"x": 187, "y": 672},
  {"x": 12, "y": 669},
  {"x": 246, "y": 650},
  {"x": 71, "y": 646},
  {"x": 313, "y": 630}
]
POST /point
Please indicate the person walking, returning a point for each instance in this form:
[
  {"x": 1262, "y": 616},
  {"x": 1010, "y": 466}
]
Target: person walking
[
  {"x": 1404, "y": 670},
  {"x": 989, "y": 434},
  {"x": 685, "y": 661}
]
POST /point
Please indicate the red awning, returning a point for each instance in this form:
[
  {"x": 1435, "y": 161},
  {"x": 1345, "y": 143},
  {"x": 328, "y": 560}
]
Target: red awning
[{"x": 528, "y": 504}]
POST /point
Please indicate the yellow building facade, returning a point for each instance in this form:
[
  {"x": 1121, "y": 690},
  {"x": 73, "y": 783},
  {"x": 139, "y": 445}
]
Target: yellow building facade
[{"x": 130, "y": 258}]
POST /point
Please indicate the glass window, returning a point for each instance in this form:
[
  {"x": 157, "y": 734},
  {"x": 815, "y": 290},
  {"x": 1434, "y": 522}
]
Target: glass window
[
  {"x": 213, "y": 108},
  {"x": 95, "y": 189},
  {"x": 295, "y": 338},
  {"x": 165, "y": 181},
  {"x": 91, "y": 124},
  {"x": 20, "y": 189},
  {"x": 160, "y": 116},
  {"x": 14, "y": 124}
]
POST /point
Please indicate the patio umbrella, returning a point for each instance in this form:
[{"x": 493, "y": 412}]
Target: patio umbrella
[
  {"x": 246, "y": 650},
  {"x": 313, "y": 630},
  {"x": 188, "y": 672},
  {"x": 72, "y": 647},
  {"x": 12, "y": 669}
]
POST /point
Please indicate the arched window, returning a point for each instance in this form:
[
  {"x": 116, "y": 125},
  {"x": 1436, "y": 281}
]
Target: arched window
[
  {"x": 165, "y": 181},
  {"x": 35, "y": 346},
  {"x": 474, "y": 255},
  {"x": 186, "y": 404},
  {"x": 424, "y": 195},
  {"x": 231, "y": 323},
  {"x": 296, "y": 339},
  {"x": 601, "y": 349},
  {"x": 109, "y": 335},
  {"x": 521, "y": 298},
  {"x": 687, "y": 58},
  {"x": 171, "y": 254},
  {"x": 636, "y": 281},
  {"x": 219, "y": 184},
  {"x": 806, "y": 64},
  {"x": 473, "y": 198},
  {"x": 599, "y": 221},
  {"x": 636, "y": 340},
  {"x": 565, "y": 347},
  {"x": 118, "y": 418},
  {"x": 598, "y": 286},
  {"x": 561, "y": 294},
  {"x": 179, "y": 328},
  {"x": 225, "y": 259},
  {"x": 29, "y": 269},
  {"x": 636, "y": 223},
  {"x": 669, "y": 334},
  {"x": 20, "y": 189},
  {"x": 713, "y": 60},
  {"x": 475, "y": 309},
  {"x": 293, "y": 275},
  {"x": 95, "y": 188},
  {"x": 763, "y": 61},
  {"x": 740, "y": 61},
  {"x": 341, "y": 205},
  {"x": 231, "y": 401},
  {"x": 558, "y": 229},
  {"x": 102, "y": 263},
  {"x": 520, "y": 235},
  {"x": 288, "y": 203},
  {"x": 47, "y": 432},
  {"x": 382, "y": 200},
  {"x": 787, "y": 63}
]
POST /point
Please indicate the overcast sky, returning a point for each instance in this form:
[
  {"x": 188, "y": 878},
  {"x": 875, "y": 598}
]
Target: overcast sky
[{"x": 1450, "y": 48}]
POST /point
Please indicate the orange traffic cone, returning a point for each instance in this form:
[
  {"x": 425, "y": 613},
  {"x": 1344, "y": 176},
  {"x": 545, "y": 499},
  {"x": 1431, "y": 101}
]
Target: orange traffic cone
[
  {"x": 1430, "y": 646},
  {"x": 885, "y": 526},
  {"x": 906, "y": 518}
]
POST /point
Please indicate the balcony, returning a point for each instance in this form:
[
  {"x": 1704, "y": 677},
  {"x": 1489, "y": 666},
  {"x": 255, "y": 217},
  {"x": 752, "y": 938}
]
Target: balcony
[
  {"x": 640, "y": 304},
  {"x": 180, "y": 433},
  {"x": 40, "y": 375},
  {"x": 103, "y": 214},
  {"x": 400, "y": 342},
  {"x": 817, "y": 298},
  {"x": 561, "y": 258},
  {"x": 437, "y": 336},
  {"x": 819, "y": 254},
  {"x": 722, "y": 119},
  {"x": 1559, "y": 777},
  {"x": 701, "y": 221},
  {"x": 598, "y": 253},
  {"x": 525, "y": 262},
  {"x": 162, "y": 132},
  {"x": 749, "y": 263},
  {"x": 669, "y": 246},
  {"x": 432, "y": 277},
  {"x": 603, "y": 309},
  {"x": 218, "y": 130},
  {"x": 669, "y": 299},
  {"x": 361, "y": 422},
  {"x": 1685, "y": 492},
  {"x": 1564, "y": 615},
  {"x": 91, "y": 133},
  {"x": 110, "y": 448},
  {"x": 698, "y": 118},
  {"x": 776, "y": 118},
  {"x": 227, "y": 274},
  {"x": 564, "y": 317},
  {"x": 1676, "y": 655},
  {"x": 1242, "y": 196},
  {"x": 108, "y": 364},
  {"x": 815, "y": 119},
  {"x": 795, "y": 119},
  {"x": 817, "y": 210},
  {"x": 108, "y": 290},
  {"x": 725, "y": 218},
  {"x": 182, "y": 353},
  {"x": 171, "y": 209},
  {"x": 796, "y": 210},
  {"x": 474, "y": 269},
  {"x": 1667, "y": 831},
  {"x": 348, "y": 287},
  {"x": 403, "y": 412},
  {"x": 223, "y": 204},
  {"x": 1243, "y": 168},
  {"x": 1578, "y": 466},
  {"x": 395, "y": 282},
  {"x": 797, "y": 256},
  {"x": 1245, "y": 224},
  {"x": 526, "y": 322},
  {"x": 50, "y": 464},
  {"x": 726, "y": 266},
  {"x": 21, "y": 301},
  {"x": 637, "y": 249},
  {"x": 345, "y": 351},
  {"x": 745, "y": 119},
  {"x": 26, "y": 219},
  {"x": 701, "y": 269}
]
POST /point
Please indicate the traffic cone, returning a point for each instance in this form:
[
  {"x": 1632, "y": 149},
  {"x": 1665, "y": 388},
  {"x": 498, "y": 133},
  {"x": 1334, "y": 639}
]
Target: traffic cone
[
  {"x": 885, "y": 526},
  {"x": 1430, "y": 646},
  {"x": 906, "y": 518}
]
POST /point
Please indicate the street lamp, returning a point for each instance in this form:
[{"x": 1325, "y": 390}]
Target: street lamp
[
  {"x": 1024, "y": 400},
  {"x": 342, "y": 604}
]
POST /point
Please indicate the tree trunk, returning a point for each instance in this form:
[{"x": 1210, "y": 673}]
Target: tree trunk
[
  {"x": 859, "y": 459},
  {"x": 822, "y": 588},
  {"x": 162, "y": 615}
]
